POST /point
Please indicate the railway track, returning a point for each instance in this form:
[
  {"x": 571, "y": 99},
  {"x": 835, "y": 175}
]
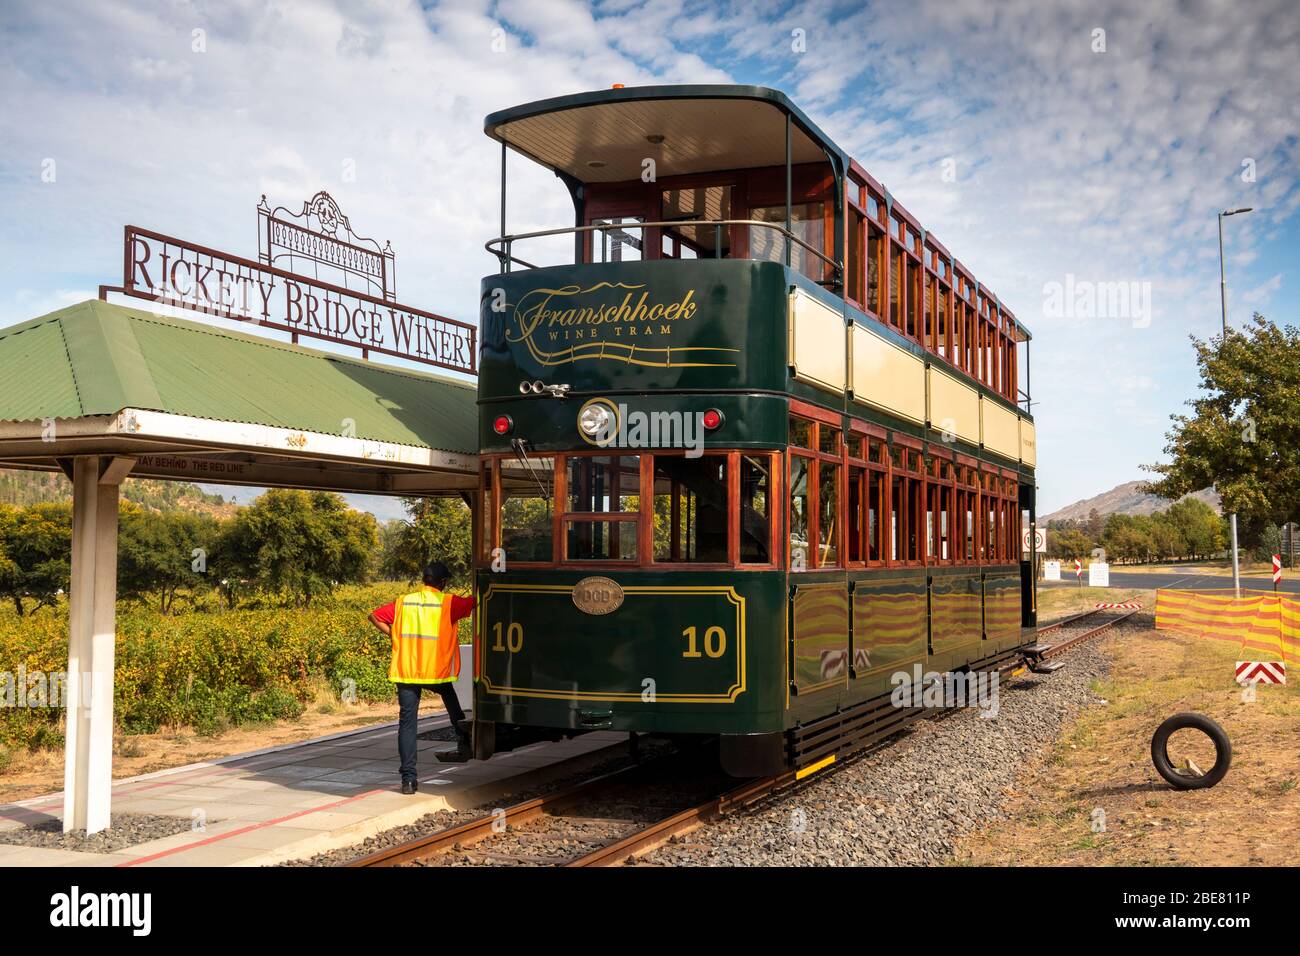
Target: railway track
[
  {"x": 609, "y": 819},
  {"x": 1074, "y": 630},
  {"x": 599, "y": 822}
]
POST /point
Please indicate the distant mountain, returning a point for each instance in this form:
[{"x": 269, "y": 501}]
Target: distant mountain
[
  {"x": 1129, "y": 498},
  {"x": 31, "y": 487}
]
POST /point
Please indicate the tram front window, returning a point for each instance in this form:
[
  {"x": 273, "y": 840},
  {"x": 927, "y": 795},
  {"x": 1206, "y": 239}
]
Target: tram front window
[
  {"x": 527, "y": 500},
  {"x": 602, "y": 485},
  {"x": 705, "y": 203},
  {"x": 690, "y": 509},
  {"x": 807, "y": 222},
  {"x": 618, "y": 245}
]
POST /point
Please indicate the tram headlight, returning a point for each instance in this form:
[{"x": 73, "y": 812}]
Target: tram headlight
[{"x": 595, "y": 420}]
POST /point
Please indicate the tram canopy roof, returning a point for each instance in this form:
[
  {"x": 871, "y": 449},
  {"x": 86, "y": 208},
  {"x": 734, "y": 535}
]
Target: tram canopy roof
[
  {"x": 202, "y": 403},
  {"x": 606, "y": 136}
]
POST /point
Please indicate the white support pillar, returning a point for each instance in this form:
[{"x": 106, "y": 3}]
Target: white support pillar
[{"x": 88, "y": 754}]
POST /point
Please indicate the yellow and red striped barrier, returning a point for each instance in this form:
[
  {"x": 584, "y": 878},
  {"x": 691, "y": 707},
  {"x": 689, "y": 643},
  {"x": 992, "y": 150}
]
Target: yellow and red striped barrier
[{"x": 1258, "y": 620}]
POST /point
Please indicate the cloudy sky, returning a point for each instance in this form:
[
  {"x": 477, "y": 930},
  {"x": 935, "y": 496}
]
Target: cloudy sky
[{"x": 1092, "y": 142}]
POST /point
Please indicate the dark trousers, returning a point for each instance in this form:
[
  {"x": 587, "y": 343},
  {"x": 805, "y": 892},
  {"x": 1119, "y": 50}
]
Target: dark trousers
[{"x": 408, "y": 702}]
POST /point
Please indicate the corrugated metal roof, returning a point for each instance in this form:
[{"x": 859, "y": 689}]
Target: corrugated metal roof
[{"x": 97, "y": 358}]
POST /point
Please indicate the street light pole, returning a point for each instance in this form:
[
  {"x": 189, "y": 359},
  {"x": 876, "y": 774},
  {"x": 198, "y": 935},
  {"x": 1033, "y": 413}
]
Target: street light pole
[{"x": 1223, "y": 307}]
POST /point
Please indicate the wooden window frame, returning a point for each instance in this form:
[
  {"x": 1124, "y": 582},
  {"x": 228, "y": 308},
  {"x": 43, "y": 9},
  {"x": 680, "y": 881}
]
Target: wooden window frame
[
  {"x": 817, "y": 417},
  {"x": 643, "y": 518},
  {"x": 867, "y": 433}
]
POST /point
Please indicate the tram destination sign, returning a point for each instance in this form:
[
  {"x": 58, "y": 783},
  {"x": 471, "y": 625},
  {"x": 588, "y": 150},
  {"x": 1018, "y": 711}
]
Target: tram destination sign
[{"x": 353, "y": 303}]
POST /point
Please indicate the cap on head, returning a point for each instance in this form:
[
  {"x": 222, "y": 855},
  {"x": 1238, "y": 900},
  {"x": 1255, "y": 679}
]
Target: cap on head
[{"x": 436, "y": 574}]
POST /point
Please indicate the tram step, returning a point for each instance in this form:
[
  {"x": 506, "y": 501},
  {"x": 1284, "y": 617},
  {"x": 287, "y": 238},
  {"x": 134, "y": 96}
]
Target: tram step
[
  {"x": 1035, "y": 650},
  {"x": 1046, "y": 667}
]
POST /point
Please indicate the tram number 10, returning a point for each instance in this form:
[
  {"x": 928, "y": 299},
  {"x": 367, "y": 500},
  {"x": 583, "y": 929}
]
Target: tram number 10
[
  {"x": 509, "y": 638},
  {"x": 715, "y": 642}
]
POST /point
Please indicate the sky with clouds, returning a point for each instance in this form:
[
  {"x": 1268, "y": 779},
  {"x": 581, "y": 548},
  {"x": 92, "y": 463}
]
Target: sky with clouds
[{"x": 1080, "y": 156}]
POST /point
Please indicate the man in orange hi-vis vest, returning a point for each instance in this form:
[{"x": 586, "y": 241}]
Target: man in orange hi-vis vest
[{"x": 426, "y": 653}]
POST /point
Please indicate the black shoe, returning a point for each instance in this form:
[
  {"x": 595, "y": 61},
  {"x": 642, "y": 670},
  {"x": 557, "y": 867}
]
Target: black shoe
[{"x": 410, "y": 786}]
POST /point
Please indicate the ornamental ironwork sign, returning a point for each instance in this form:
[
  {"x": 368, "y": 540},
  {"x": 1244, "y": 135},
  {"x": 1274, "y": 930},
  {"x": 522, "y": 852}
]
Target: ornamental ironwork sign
[{"x": 313, "y": 276}]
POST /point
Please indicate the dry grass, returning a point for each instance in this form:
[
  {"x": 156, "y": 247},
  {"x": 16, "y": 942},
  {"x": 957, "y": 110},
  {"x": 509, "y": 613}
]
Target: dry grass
[
  {"x": 1055, "y": 603},
  {"x": 1103, "y": 762}
]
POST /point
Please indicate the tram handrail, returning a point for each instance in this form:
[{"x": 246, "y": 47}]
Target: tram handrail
[{"x": 501, "y": 245}]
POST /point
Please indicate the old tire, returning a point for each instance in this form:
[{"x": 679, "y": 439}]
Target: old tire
[{"x": 1183, "y": 781}]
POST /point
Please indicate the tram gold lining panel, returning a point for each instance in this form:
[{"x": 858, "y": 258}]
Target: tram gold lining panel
[
  {"x": 886, "y": 376},
  {"x": 812, "y": 326},
  {"x": 954, "y": 406},
  {"x": 999, "y": 428}
]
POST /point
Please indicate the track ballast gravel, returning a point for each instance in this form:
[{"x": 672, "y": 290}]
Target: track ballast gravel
[{"x": 905, "y": 803}]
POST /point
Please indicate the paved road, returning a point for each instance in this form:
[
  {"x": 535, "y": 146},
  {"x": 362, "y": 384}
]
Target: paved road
[{"x": 1182, "y": 580}]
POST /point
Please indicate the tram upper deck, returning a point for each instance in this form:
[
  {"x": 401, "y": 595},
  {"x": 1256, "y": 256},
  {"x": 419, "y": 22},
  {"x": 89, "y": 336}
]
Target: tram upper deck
[{"x": 722, "y": 242}]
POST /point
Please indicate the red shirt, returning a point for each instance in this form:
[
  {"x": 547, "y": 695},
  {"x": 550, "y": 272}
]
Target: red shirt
[{"x": 460, "y": 607}]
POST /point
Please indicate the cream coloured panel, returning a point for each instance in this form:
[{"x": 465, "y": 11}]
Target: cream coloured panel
[
  {"x": 1000, "y": 428},
  {"x": 954, "y": 406},
  {"x": 1028, "y": 443},
  {"x": 817, "y": 342},
  {"x": 886, "y": 376}
]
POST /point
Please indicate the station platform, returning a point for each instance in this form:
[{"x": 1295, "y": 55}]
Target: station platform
[{"x": 296, "y": 800}]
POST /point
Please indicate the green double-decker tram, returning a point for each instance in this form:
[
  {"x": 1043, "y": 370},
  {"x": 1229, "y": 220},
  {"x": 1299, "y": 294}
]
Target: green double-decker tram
[{"x": 753, "y": 443}]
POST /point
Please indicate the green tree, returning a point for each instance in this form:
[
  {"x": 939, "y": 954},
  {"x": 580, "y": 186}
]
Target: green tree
[
  {"x": 437, "y": 528},
  {"x": 1243, "y": 435},
  {"x": 295, "y": 543},
  {"x": 1068, "y": 543},
  {"x": 36, "y": 550},
  {"x": 1199, "y": 526},
  {"x": 156, "y": 554}
]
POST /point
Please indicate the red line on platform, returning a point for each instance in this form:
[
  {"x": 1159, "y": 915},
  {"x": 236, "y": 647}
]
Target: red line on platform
[{"x": 248, "y": 829}]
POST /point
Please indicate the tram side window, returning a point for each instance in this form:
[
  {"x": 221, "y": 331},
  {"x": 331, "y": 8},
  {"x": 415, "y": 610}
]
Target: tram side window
[
  {"x": 913, "y": 296},
  {"x": 690, "y": 509},
  {"x": 828, "y": 499},
  {"x": 895, "y": 286},
  {"x": 857, "y": 226},
  {"x": 755, "y": 509},
  {"x": 527, "y": 503},
  {"x": 875, "y": 268},
  {"x": 800, "y": 503}
]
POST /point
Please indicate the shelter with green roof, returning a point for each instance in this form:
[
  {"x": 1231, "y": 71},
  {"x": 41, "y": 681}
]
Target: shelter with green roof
[{"x": 103, "y": 391}]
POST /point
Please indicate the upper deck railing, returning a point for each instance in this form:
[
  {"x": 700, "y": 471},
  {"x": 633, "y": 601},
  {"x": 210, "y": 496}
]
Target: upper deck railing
[{"x": 502, "y": 246}]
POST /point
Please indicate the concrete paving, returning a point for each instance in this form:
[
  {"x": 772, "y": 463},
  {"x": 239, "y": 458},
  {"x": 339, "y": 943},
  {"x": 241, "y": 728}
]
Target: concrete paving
[{"x": 296, "y": 800}]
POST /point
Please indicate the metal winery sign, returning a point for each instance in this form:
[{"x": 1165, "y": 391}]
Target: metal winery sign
[{"x": 349, "y": 299}]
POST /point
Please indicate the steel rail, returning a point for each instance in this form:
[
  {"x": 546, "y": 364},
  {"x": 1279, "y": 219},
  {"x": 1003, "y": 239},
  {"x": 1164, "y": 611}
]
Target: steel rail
[
  {"x": 656, "y": 834},
  {"x": 1057, "y": 649},
  {"x": 1068, "y": 620},
  {"x": 482, "y": 827}
]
